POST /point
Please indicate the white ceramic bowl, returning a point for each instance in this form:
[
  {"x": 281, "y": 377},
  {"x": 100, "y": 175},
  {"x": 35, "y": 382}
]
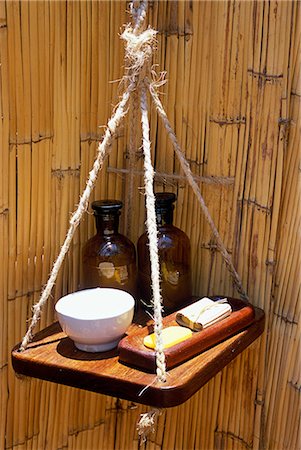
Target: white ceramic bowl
[{"x": 95, "y": 319}]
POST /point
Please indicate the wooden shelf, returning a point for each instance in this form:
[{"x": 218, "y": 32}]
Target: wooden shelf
[{"x": 52, "y": 356}]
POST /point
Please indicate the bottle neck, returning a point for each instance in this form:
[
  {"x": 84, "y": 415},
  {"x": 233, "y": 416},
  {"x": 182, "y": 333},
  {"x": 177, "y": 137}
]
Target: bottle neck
[
  {"x": 107, "y": 224},
  {"x": 164, "y": 216}
]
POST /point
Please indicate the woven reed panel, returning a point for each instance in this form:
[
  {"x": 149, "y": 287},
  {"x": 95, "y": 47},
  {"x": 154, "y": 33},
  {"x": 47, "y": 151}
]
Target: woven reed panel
[{"x": 233, "y": 96}]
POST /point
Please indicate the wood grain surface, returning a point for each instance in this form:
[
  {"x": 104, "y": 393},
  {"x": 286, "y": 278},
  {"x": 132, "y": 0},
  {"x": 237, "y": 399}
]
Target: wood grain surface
[{"x": 52, "y": 356}]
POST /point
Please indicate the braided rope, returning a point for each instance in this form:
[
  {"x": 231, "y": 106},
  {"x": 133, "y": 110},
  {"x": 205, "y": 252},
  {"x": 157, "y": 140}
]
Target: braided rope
[
  {"x": 136, "y": 9},
  {"x": 112, "y": 127},
  {"x": 152, "y": 232},
  {"x": 186, "y": 169},
  {"x": 138, "y": 13},
  {"x": 147, "y": 421}
]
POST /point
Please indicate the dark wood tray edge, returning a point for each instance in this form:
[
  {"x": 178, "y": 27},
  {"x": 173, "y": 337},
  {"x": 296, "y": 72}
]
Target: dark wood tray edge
[{"x": 171, "y": 396}]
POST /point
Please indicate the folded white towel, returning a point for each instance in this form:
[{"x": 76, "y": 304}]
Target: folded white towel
[{"x": 203, "y": 313}]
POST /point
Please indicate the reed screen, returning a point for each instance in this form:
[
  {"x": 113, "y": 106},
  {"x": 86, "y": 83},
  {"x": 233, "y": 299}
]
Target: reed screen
[{"x": 232, "y": 95}]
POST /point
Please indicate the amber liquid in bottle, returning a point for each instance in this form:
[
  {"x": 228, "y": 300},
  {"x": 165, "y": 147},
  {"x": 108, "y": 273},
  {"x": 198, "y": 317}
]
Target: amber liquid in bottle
[
  {"x": 174, "y": 256},
  {"x": 109, "y": 258}
]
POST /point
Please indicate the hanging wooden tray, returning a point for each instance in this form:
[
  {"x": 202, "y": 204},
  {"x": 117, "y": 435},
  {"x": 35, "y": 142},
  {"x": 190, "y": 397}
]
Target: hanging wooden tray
[{"x": 52, "y": 356}]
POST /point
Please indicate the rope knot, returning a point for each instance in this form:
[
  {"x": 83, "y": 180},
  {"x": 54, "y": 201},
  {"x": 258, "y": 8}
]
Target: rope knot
[
  {"x": 147, "y": 423},
  {"x": 139, "y": 48}
]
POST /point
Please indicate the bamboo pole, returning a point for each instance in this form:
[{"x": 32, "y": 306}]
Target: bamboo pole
[
  {"x": 46, "y": 253},
  {"x": 282, "y": 405},
  {"x": 4, "y": 223},
  {"x": 181, "y": 109},
  {"x": 189, "y": 133}
]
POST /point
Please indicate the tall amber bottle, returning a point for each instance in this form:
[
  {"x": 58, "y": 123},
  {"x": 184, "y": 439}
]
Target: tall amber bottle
[
  {"x": 109, "y": 258},
  {"x": 174, "y": 255}
]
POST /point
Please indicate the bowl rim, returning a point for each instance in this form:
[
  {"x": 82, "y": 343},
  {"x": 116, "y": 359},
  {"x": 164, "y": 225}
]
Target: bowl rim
[{"x": 62, "y": 301}]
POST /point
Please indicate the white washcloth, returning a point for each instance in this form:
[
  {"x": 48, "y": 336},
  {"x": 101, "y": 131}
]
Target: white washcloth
[{"x": 203, "y": 313}]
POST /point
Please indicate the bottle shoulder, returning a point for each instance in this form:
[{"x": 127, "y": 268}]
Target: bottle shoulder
[
  {"x": 109, "y": 245},
  {"x": 172, "y": 230},
  {"x": 167, "y": 235},
  {"x": 115, "y": 237},
  {"x": 166, "y": 230}
]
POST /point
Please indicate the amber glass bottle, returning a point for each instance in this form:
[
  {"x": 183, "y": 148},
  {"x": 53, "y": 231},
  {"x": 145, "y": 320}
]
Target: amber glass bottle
[
  {"x": 109, "y": 258},
  {"x": 174, "y": 255}
]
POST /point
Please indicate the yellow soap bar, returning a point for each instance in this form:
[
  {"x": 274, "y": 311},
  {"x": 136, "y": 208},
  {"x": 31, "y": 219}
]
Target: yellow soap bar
[{"x": 170, "y": 336}]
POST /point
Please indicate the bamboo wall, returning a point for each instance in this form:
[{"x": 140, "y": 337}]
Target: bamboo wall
[{"x": 233, "y": 96}]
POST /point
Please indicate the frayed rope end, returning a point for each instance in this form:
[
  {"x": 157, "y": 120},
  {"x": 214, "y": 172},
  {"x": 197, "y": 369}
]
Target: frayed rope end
[{"x": 147, "y": 424}]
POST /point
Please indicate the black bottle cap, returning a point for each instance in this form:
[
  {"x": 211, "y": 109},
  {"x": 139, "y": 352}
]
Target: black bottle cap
[
  {"x": 164, "y": 200},
  {"x": 106, "y": 206}
]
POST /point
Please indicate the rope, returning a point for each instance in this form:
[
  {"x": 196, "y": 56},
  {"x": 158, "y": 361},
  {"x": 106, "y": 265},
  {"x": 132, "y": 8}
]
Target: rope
[
  {"x": 147, "y": 422},
  {"x": 137, "y": 62},
  {"x": 138, "y": 13},
  {"x": 186, "y": 169},
  {"x": 136, "y": 9},
  {"x": 112, "y": 127},
  {"x": 153, "y": 238}
]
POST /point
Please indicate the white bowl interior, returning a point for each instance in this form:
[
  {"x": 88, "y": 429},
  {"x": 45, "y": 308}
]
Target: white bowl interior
[{"x": 95, "y": 304}]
